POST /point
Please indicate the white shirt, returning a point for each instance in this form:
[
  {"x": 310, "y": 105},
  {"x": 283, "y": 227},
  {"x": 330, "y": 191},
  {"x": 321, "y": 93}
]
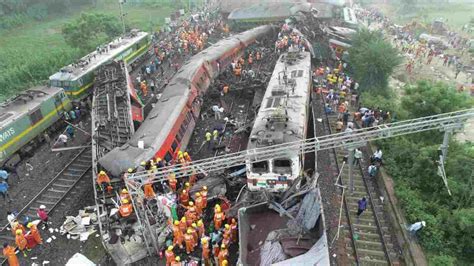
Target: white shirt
[
  {"x": 215, "y": 108},
  {"x": 378, "y": 154},
  {"x": 62, "y": 138},
  {"x": 416, "y": 226}
]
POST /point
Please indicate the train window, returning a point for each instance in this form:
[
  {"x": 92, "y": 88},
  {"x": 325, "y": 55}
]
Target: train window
[
  {"x": 36, "y": 116},
  {"x": 168, "y": 157},
  {"x": 182, "y": 130},
  {"x": 300, "y": 73},
  {"x": 174, "y": 145},
  {"x": 179, "y": 137},
  {"x": 282, "y": 166},
  {"x": 293, "y": 73},
  {"x": 260, "y": 167}
]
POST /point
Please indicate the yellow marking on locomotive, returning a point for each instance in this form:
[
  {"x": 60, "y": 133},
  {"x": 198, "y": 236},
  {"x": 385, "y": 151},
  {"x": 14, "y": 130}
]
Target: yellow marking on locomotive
[
  {"x": 26, "y": 131},
  {"x": 81, "y": 90}
]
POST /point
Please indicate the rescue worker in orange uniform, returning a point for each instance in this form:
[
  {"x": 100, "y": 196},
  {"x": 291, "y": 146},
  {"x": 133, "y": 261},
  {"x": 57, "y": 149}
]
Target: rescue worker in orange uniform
[
  {"x": 103, "y": 181},
  {"x": 189, "y": 240},
  {"x": 177, "y": 261},
  {"x": 124, "y": 194},
  {"x": 183, "y": 225},
  {"x": 219, "y": 217},
  {"x": 204, "y": 196},
  {"x": 194, "y": 232},
  {"x": 190, "y": 214},
  {"x": 200, "y": 228},
  {"x": 223, "y": 255},
  {"x": 126, "y": 209},
  {"x": 17, "y": 226},
  {"x": 199, "y": 202},
  {"x": 187, "y": 157},
  {"x": 206, "y": 252},
  {"x": 9, "y": 254},
  {"x": 234, "y": 231},
  {"x": 172, "y": 182},
  {"x": 169, "y": 255},
  {"x": 35, "y": 233},
  {"x": 184, "y": 197},
  {"x": 21, "y": 242},
  {"x": 177, "y": 235},
  {"x": 149, "y": 192}
]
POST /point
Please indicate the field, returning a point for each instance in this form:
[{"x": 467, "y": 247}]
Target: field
[{"x": 32, "y": 52}]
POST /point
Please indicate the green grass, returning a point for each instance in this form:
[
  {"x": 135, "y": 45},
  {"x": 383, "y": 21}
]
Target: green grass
[{"x": 35, "y": 50}]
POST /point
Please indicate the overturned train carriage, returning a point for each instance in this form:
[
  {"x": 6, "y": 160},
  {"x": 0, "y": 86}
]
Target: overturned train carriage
[{"x": 169, "y": 125}]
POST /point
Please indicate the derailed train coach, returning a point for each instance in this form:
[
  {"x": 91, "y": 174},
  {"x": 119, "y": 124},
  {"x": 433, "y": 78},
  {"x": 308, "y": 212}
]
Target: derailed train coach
[{"x": 170, "y": 123}]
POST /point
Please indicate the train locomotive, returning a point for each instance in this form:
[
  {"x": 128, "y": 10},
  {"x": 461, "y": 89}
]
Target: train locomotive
[
  {"x": 282, "y": 118},
  {"x": 170, "y": 123}
]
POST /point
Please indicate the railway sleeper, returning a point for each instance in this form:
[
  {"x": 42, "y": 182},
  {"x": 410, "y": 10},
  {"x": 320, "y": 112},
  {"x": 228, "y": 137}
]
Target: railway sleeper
[
  {"x": 45, "y": 202},
  {"x": 371, "y": 253},
  {"x": 57, "y": 190},
  {"x": 71, "y": 174},
  {"x": 369, "y": 261},
  {"x": 61, "y": 185},
  {"x": 66, "y": 180}
]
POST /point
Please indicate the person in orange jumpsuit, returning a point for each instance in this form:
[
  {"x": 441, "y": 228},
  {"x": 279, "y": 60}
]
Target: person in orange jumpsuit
[
  {"x": 149, "y": 192},
  {"x": 21, "y": 242},
  {"x": 177, "y": 235},
  {"x": 35, "y": 233},
  {"x": 9, "y": 254},
  {"x": 17, "y": 226},
  {"x": 223, "y": 255},
  {"x": 206, "y": 252},
  {"x": 199, "y": 203},
  {"x": 187, "y": 157},
  {"x": 169, "y": 255},
  {"x": 177, "y": 261},
  {"x": 200, "y": 228},
  {"x": 126, "y": 209},
  {"x": 204, "y": 196},
  {"x": 124, "y": 194},
  {"x": 172, "y": 182},
  {"x": 103, "y": 181},
  {"x": 194, "y": 232},
  {"x": 184, "y": 197},
  {"x": 233, "y": 229},
  {"x": 219, "y": 217},
  {"x": 183, "y": 225},
  {"x": 189, "y": 240},
  {"x": 190, "y": 214}
]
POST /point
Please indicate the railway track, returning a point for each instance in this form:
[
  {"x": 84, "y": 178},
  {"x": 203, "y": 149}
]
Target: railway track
[
  {"x": 56, "y": 190},
  {"x": 368, "y": 237}
]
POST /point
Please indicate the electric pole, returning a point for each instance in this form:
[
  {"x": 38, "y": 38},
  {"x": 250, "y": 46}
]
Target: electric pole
[{"x": 122, "y": 15}]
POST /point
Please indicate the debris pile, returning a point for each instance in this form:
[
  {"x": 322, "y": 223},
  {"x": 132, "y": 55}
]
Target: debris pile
[{"x": 80, "y": 226}]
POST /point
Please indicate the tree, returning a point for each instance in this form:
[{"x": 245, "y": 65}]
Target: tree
[
  {"x": 372, "y": 60},
  {"x": 428, "y": 98},
  {"x": 90, "y": 30}
]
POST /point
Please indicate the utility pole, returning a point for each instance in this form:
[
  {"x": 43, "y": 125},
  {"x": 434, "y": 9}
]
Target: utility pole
[{"x": 122, "y": 15}]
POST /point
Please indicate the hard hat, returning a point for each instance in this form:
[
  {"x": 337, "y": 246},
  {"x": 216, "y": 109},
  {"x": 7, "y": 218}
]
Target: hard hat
[
  {"x": 189, "y": 231},
  {"x": 143, "y": 163},
  {"x": 183, "y": 219},
  {"x": 184, "y": 191},
  {"x": 29, "y": 225},
  {"x": 187, "y": 184},
  {"x": 102, "y": 172},
  {"x": 223, "y": 246},
  {"x": 130, "y": 170},
  {"x": 193, "y": 225},
  {"x": 217, "y": 207},
  {"x": 42, "y": 207},
  {"x": 124, "y": 190},
  {"x": 151, "y": 161},
  {"x": 423, "y": 223},
  {"x": 185, "y": 153},
  {"x": 170, "y": 248},
  {"x": 18, "y": 231},
  {"x": 180, "y": 152},
  {"x": 227, "y": 226},
  {"x": 203, "y": 240},
  {"x": 197, "y": 194},
  {"x": 177, "y": 259},
  {"x": 225, "y": 262},
  {"x": 125, "y": 201},
  {"x": 158, "y": 159},
  {"x": 199, "y": 222},
  {"x": 204, "y": 188},
  {"x": 176, "y": 222},
  {"x": 191, "y": 203}
]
